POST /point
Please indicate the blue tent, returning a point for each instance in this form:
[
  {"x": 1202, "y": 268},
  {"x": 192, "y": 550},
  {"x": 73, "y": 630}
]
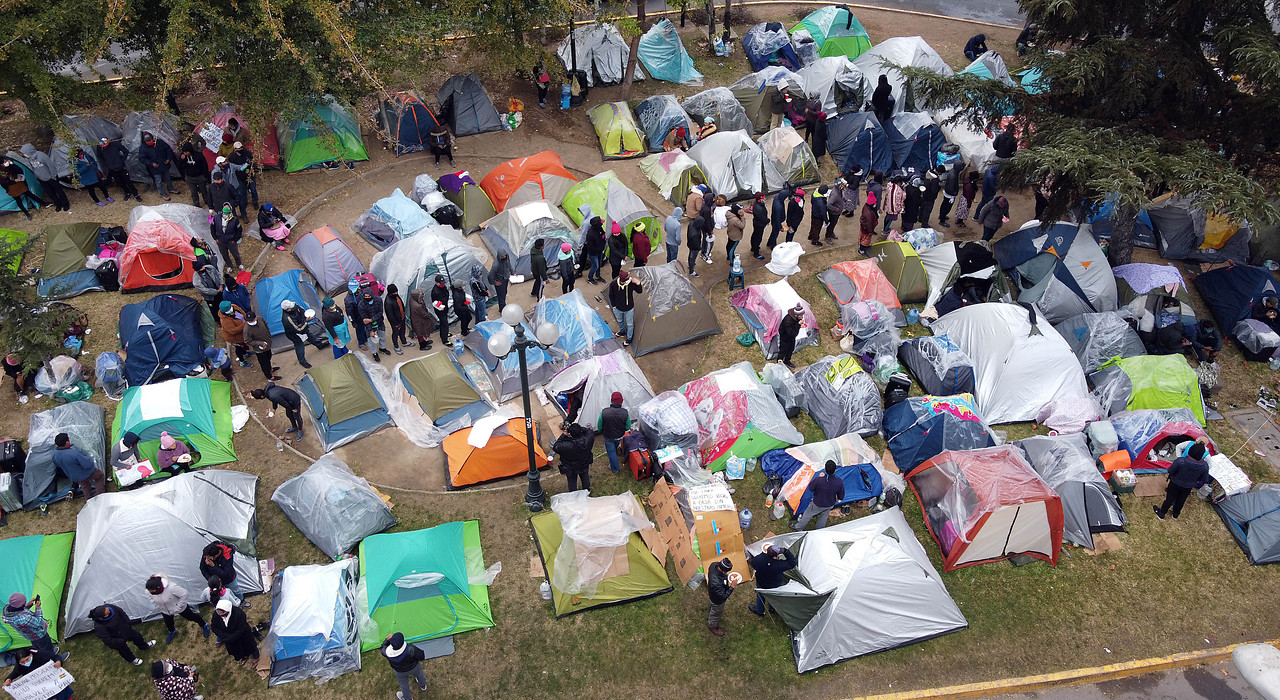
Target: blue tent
[
  {"x": 505, "y": 371},
  {"x": 861, "y": 481},
  {"x": 583, "y": 333},
  {"x": 1101, "y": 220},
  {"x": 1033, "y": 81},
  {"x": 923, "y": 427},
  {"x": 1231, "y": 292},
  {"x": 164, "y": 337},
  {"x": 342, "y": 402},
  {"x": 664, "y": 56},
  {"x": 915, "y": 140},
  {"x": 298, "y": 598},
  {"x": 294, "y": 285},
  {"x": 768, "y": 44},
  {"x": 857, "y": 141},
  {"x": 6, "y": 202},
  {"x": 659, "y": 115}
]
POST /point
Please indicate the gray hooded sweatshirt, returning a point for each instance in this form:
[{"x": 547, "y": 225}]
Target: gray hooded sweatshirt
[
  {"x": 40, "y": 163},
  {"x": 671, "y": 227}
]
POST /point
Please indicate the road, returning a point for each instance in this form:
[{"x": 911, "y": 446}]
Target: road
[
  {"x": 994, "y": 11},
  {"x": 1211, "y": 681}
]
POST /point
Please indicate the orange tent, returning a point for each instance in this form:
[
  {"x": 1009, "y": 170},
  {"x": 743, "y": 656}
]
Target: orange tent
[
  {"x": 158, "y": 256},
  {"x": 515, "y": 182},
  {"x": 506, "y": 454}
]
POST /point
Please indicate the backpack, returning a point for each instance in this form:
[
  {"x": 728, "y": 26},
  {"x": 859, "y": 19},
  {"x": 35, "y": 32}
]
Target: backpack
[{"x": 108, "y": 274}]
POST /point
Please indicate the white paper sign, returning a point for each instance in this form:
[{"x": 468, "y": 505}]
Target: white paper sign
[
  {"x": 212, "y": 135},
  {"x": 709, "y": 497},
  {"x": 41, "y": 684},
  {"x": 668, "y": 453}
]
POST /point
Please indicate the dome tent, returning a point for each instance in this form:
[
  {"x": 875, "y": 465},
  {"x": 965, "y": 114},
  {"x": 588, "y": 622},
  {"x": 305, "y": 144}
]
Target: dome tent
[
  {"x": 841, "y": 397},
  {"x": 732, "y": 163},
  {"x": 755, "y": 91},
  {"x": 836, "y": 31},
  {"x": 1185, "y": 231},
  {"x": 674, "y": 174},
  {"x": 294, "y": 285},
  {"x": 1253, "y": 519},
  {"x": 583, "y": 332},
  {"x": 313, "y": 622},
  {"x": 787, "y": 159},
  {"x": 1088, "y": 506},
  {"x": 413, "y": 263},
  {"x": 946, "y": 263},
  {"x": 901, "y": 265},
  {"x": 1059, "y": 268},
  {"x": 939, "y": 365},
  {"x": 768, "y": 44},
  {"x": 323, "y": 133},
  {"x": 862, "y": 280},
  {"x": 466, "y": 107},
  {"x": 602, "y": 55},
  {"x": 390, "y": 219},
  {"x": 737, "y": 416},
  {"x": 158, "y": 255},
  {"x": 590, "y": 383},
  {"x": 671, "y": 310},
  {"x": 7, "y": 203},
  {"x": 1147, "y": 434},
  {"x": 901, "y": 51},
  {"x": 617, "y": 130},
  {"x": 923, "y": 427},
  {"x": 328, "y": 259},
  {"x": 333, "y": 507},
  {"x": 613, "y": 202},
  {"x": 161, "y": 125},
  {"x": 442, "y": 388},
  {"x": 474, "y": 203},
  {"x": 405, "y": 122},
  {"x": 502, "y": 455},
  {"x": 1097, "y": 338},
  {"x": 915, "y": 140},
  {"x": 515, "y": 182},
  {"x": 858, "y": 143},
  {"x": 62, "y": 272},
  {"x": 85, "y": 130},
  {"x": 37, "y": 568},
  {"x": 1148, "y": 381},
  {"x": 762, "y": 306},
  {"x": 664, "y": 57},
  {"x": 198, "y": 411},
  {"x": 505, "y": 371},
  {"x": 719, "y": 104},
  {"x": 660, "y": 115},
  {"x": 514, "y": 231},
  {"x": 342, "y": 402},
  {"x": 164, "y": 337},
  {"x": 838, "y": 83},
  {"x": 85, "y": 423}
]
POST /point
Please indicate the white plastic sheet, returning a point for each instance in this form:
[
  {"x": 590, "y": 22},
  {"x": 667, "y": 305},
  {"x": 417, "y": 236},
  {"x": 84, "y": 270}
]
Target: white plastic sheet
[
  {"x": 786, "y": 259},
  {"x": 593, "y": 529}
]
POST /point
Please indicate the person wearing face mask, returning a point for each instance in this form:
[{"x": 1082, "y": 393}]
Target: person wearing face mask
[
  {"x": 440, "y": 298},
  {"x": 294, "y": 320},
  {"x": 462, "y": 307},
  {"x": 29, "y": 660},
  {"x": 227, "y": 232},
  {"x": 374, "y": 320}
]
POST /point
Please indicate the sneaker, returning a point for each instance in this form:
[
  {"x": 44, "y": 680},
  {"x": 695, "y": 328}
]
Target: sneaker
[
  {"x": 306, "y": 365},
  {"x": 399, "y": 695},
  {"x": 151, "y": 643},
  {"x": 245, "y": 605},
  {"x": 620, "y": 334},
  {"x": 206, "y": 630},
  {"x": 22, "y": 398},
  {"x": 173, "y": 634},
  {"x": 1157, "y": 512},
  {"x": 246, "y": 364},
  {"x": 399, "y": 351},
  {"x": 376, "y": 358},
  {"x": 714, "y": 630},
  {"x": 113, "y": 200},
  {"x": 101, "y": 204},
  {"x": 626, "y": 342},
  {"x": 242, "y": 267},
  {"x": 166, "y": 197},
  {"x": 816, "y": 244},
  {"x": 44, "y": 509},
  {"x": 694, "y": 274},
  {"x": 136, "y": 661},
  {"x": 63, "y": 656},
  {"x": 755, "y": 610},
  {"x": 279, "y": 247}
]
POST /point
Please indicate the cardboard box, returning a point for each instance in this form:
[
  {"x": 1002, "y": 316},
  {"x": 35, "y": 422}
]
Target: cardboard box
[
  {"x": 720, "y": 527},
  {"x": 1151, "y": 485},
  {"x": 670, "y": 522}
]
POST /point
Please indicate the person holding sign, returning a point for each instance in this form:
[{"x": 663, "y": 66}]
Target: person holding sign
[{"x": 30, "y": 661}]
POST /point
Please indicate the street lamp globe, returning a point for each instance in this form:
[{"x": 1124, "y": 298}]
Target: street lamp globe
[
  {"x": 512, "y": 315},
  {"x": 547, "y": 333},
  {"x": 500, "y": 344}
]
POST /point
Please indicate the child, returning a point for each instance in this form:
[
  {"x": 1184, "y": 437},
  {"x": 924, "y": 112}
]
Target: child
[{"x": 967, "y": 192}]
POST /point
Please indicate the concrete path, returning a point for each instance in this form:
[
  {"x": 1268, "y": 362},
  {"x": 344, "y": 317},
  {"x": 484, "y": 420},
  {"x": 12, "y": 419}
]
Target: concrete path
[{"x": 1211, "y": 681}]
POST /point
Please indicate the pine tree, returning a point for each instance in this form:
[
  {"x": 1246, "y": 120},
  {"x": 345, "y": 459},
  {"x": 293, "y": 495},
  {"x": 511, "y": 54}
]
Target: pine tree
[{"x": 30, "y": 328}]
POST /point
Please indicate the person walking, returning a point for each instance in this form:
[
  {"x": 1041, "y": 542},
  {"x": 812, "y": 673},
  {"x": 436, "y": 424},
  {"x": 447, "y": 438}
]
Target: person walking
[
  {"x": 951, "y": 178},
  {"x": 421, "y": 320},
  {"x": 227, "y": 232},
  {"x": 671, "y": 230},
  {"x": 500, "y": 278},
  {"x": 614, "y": 422},
  {"x": 86, "y": 172},
  {"x": 734, "y": 226},
  {"x": 397, "y": 315},
  {"x": 759, "y": 220},
  {"x": 895, "y": 199},
  {"x": 406, "y": 659},
  {"x": 335, "y": 324},
  {"x": 788, "y": 331},
  {"x": 618, "y": 250},
  {"x": 27, "y": 660},
  {"x": 622, "y": 291},
  {"x": 992, "y": 216},
  {"x": 157, "y": 157},
  {"x": 27, "y": 618},
  {"x": 294, "y": 320},
  {"x": 441, "y": 143},
  {"x": 232, "y": 627},
  {"x": 115, "y": 629},
  {"x": 641, "y": 246},
  {"x": 258, "y": 337},
  {"x": 195, "y": 172},
  {"x": 171, "y": 600},
  {"x": 231, "y": 320},
  {"x": 693, "y": 240},
  {"x": 778, "y": 213},
  {"x": 114, "y": 158},
  {"x": 462, "y": 305},
  {"x": 567, "y": 264},
  {"x": 538, "y": 268},
  {"x": 968, "y": 192},
  {"x": 574, "y": 448},
  {"x": 46, "y": 173},
  {"x": 770, "y": 566},
  {"x": 280, "y": 396},
  {"x": 827, "y": 490},
  {"x": 440, "y": 298},
  {"x": 175, "y": 681},
  {"x": 817, "y": 215},
  {"x": 719, "y": 588},
  {"x": 795, "y": 213},
  {"x": 1186, "y": 474},
  {"x": 990, "y": 184},
  {"x": 78, "y": 466}
]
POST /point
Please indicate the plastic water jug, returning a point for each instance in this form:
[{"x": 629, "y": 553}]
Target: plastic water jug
[
  {"x": 564, "y": 96},
  {"x": 544, "y": 589},
  {"x": 737, "y": 264},
  {"x": 913, "y": 315},
  {"x": 458, "y": 347},
  {"x": 744, "y": 518}
]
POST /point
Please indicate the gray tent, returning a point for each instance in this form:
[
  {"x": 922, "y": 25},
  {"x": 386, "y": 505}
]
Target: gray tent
[
  {"x": 1187, "y": 232},
  {"x": 158, "y": 124},
  {"x": 1098, "y": 337},
  {"x": 85, "y": 131},
  {"x": 466, "y": 106},
  {"x": 328, "y": 258},
  {"x": 332, "y": 506},
  {"x": 515, "y": 229},
  {"x": 841, "y": 397},
  {"x": 123, "y": 537},
  {"x": 672, "y": 310},
  {"x": 85, "y": 424},
  {"x": 859, "y": 587},
  {"x": 756, "y": 90},
  {"x": 1066, "y": 464},
  {"x": 719, "y": 104},
  {"x": 602, "y": 54},
  {"x": 837, "y": 82},
  {"x": 1253, "y": 519},
  {"x": 787, "y": 158}
]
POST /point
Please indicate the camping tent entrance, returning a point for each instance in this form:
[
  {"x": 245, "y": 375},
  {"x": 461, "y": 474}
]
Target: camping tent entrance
[
  {"x": 406, "y": 121},
  {"x": 466, "y": 106},
  {"x": 342, "y": 402}
]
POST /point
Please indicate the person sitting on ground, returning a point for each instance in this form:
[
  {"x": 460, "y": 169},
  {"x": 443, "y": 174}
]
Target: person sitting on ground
[
  {"x": 173, "y": 456},
  {"x": 677, "y": 139},
  {"x": 271, "y": 226},
  {"x": 1208, "y": 342},
  {"x": 22, "y": 381},
  {"x": 975, "y": 47},
  {"x": 708, "y": 128},
  {"x": 28, "y": 660},
  {"x": 124, "y": 453},
  {"x": 770, "y": 565},
  {"x": 1027, "y": 38},
  {"x": 1268, "y": 312},
  {"x": 175, "y": 681}
]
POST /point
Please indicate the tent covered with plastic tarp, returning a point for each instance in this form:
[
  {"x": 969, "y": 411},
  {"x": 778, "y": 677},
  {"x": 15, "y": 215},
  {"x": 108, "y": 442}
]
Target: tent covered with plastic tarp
[
  {"x": 901, "y": 51},
  {"x": 838, "y": 83},
  {"x": 602, "y": 54},
  {"x": 315, "y": 631},
  {"x": 85, "y": 424},
  {"x": 666, "y": 420},
  {"x": 1098, "y": 337},
  {"x": 755, "y": 92},
  {"x": 588, "y": 386},
  {"x": 1148, "y": 381},
  {"x": 673, "y": 173},
  {"x": 939, "y": 365},
  {"x": 664, "y": 57},
  {"x": 583, "y": 332},
  {"x": 737, "y": 416},
  {"x": 732, "y": 163},
  {"x": 719, "y": 104},
  {"x": 333, "y": 507},
  {"x": 835, "y": 31},
  {"x": 660, "y": 115},
  {"x": 862, "y": 280},
  {"x": 859, "y": 587},
  {"x": 160, "y": 527},
  {"x": 342, "y": 402},
  {"x": 1067, "y": 465},
  {"x": 762, "y": 307},
  {"x": 161, "y": 125},
  {"x": 1253, "y": 519},
  {"x": 1185, "y": 231},
  {"x": 768, "y": 44},
  {"x": 857, "y": 465},
  {"x": 858, "y": 143},
  {"x": 670, "y": 311},
  {"x": 1061, "y": 269},
  {"x": 413, "y": 263},
  {"x": 915, "y": 140},
  {"x": 390, "y": 219},
  {"x": 85, "y": 130},
  {"x": 516, "y": 229},
  {"x": 466, "y": 107},
  {"x": 924, "y": 426},
  {"x": 158, "y": 254},
  {"x": 504, "y": 372},
  {"x": 841, "y": 397},
  {"x": 787, "y": 159}
]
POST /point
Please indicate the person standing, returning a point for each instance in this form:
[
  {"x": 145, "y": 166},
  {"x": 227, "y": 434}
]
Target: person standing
[
  {"x": 258, "y": 337},
  {"x": 788, "y": 331},
  {"x": 227, "y": 232},
  {"x": 115, "y": 629},
  {"x": 157, "y": 157},
  {"x": 440, "y": 302},
  {"x": 641, "y": 246},
  {"x": 230, "y": 175},
  {"x": 370, "y": 307},
  {"x": 335, "y": 324},
  {"x": 195, "y": 172},
  {"x": 895, "y": 199},
  {"x": 932, "y": 184},
  {"x": 759, "y": 219},
  {"x": 282, "y": 396},
  {"x": 693, "y": 201},
  {"x": 462, "y": 305},
  {"x": 500, "y": 278},
  {"x": 964, "y": 203},
  {"x": 79, "y": 467},
  {"x": 441, "y": 143},
  {"x": 406, "y": 659},
  {"x": 294, "y": 320},
  {"x": 423, "y": 322},
  {"x": 911, "y": 204},
  {"x": 719, "y": 225},
  {"x": 812, "y": 108},
  {"x": 614, "y": 422},
  {"x": 241, "y": 160},
  {"x": 231, "y": 319},
  {"x": 397, "y": 315},
  {"x": 992, "y": 216},
  {"x": 820, "y": 136},
  {"x": 171, "y": 600},
  {"x": 114, "y": 158},
  {"x": 719, "y": 589},
  {"x": 86, "y": 172},
  {"x": 770, "y": 565},
  {"x": 817, "y": 215},
  {"x": 795, "y": 213},
  {"x": 232, "y": 627},
  {"x": 618, "y": 250},
  {"x": 543, "y": 79},
  {"x": 622, "y": 291},
  {"x": 734, "y": 226},
  {"x": 567, "y": 264},
  {"x": 594, "y": 246},
  {"x": 538, "y": 268},
  {"x": 1187, "y": 473},
  {"x": 875, "y": 185},
  {"x": 1005, "y": 144},
  {"x": 220, "y": 192},
  {"x": 28, "y": 660},
  {"x": 777, "y": 106},
  {"x": 882, "y": 100},
  {"x": 990, "y": 184},
  {"x": 574, "y": 448},
  {"x": 779, "y": 213},
  {"x": 25, "y": 616},
  {"x": 827, "y": 490},
  {"x": 671, "y": 230},
  {"x": 46, "y": 173},
  {"x": 950, "y": 191},
  {"x": 175, "y": 681},
  {"x": 842, "y": 200},
  {"x": 693, "y": 240},
  {"x": 480, "y": 292}
]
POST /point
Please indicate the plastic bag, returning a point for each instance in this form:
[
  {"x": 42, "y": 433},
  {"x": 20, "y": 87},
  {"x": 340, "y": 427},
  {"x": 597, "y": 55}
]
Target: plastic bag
[
  {"x": 735, "y": 468},
  {"x": 109, "y": 371},
  {"x": 59, "y": 374}
]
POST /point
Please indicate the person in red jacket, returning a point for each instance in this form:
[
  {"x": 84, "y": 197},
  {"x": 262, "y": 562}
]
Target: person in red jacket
[{"x": 641, "y": 246}]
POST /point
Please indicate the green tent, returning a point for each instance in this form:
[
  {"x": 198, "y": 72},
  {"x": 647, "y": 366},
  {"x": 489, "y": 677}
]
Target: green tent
[
  {"x": 901, "y": 264},
  {"x": 14, "y": 240},
  {"x": 612, "y": 201},
  {"x": 195, "y": 409},
  {"x": 66, "y": 246},
  {"x": 594, "y": 191},
  {"x": 419, "y": 583},
  {"x": 306, "y": 144},
  {"x": 620, "y": 136},
  {"x": 836, "y": 32},
  {"x": 342, "y": 402},
  {"x": 474, "y": 203},
  {"x": 36, "y": 565},
  {"x": 1161, "y": 381},
  {"x": 442, "y": 388}
]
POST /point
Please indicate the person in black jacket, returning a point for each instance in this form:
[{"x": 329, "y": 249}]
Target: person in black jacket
[
  {"x": 795, "y": 213},
  {"x": 882, "y": 100},
  {"x": 911, "y": 204},
  {"x": 115, "y": 629},
  {"x": 370, "y": 308},
  {"x": 294, "y": 320},
  {"x": 719, "y": 588},
  {"x": 929, "y": 194},
  {"x": 820, "y": 136},
  {"x": 817, "y": 215},
  {"x": 232, "y": 627},
  {"x": 195, "y": 172},
  {"x": 614, "y": 422},
  {"x": 406, "y": 663},
  {"x": 220, "y": 192},
  {"x": 500, "y": 278},
  {"x": 693, "y": 240},
  {"x": 1005, "y": 144},
  {"x": 619, "y": 247},
  {"x": 218, "y": 559},
  {"x": 779, "y": 213},
  {"x": 157, "y": 157},
  {"x": 788, "y": 331},
  {"x": 397, "y": 318},
  {"x": 28, "y": 660},
  {"x": 593, "y": 247},
  {"x": 440, "y": 303},
  {"x": 282, "y": 396},
  {"x": 538, "y": 268},
  {"x": 622, "y": 299},
  {"x": 1185, "y": 474},
  {"x": 975, "y": 47},
  {"x": 351, "y": 303},
  {"x": 827, "y": 490},
  {"x": 770, "y": 566},
  {"x": 950, "y": 190},
  {"x": 759, "y": 219},
  {"x": 574, "y": 448},
  {"x": 114, "y": 158},
  {"x": 227, "y": 232},
  {"x": 462, "y": 305}
]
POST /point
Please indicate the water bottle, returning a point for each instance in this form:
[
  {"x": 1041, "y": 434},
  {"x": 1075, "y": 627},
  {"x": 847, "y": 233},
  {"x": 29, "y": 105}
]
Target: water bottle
[
  {"x": 544, "y": 589},
  {"x": 913, "y": 315},
  {"x": 744, "y": 518},
  {"x": 279, "y": 445},
  {"x": 737, "y": 264},
  {"x": 751, "y": 464},
  {"x": 458, "y": 347}
]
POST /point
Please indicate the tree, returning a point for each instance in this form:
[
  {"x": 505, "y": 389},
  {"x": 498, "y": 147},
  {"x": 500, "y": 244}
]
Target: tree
[
  {"x": 30, "y": 328},
  {"x": 1134, "y": 100}
]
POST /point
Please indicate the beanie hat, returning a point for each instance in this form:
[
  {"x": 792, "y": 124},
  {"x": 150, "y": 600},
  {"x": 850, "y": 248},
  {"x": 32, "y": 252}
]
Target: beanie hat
[
  {"x": 167, "y": 442},
  {"x": 616, "y": 397},
  {"x": 396, "y": 645},
  {"x": 728, "y": 565},
  {"x": 352, "y": 284},
  {"x": 565, "y": 247},
  {"x": 327, "y": 303},
  {"x": 157, "y": 669},
  {"x": 17, "y": 600},
  {"x": 130, "y": 439},
  {"x": 225, "y": 307}
]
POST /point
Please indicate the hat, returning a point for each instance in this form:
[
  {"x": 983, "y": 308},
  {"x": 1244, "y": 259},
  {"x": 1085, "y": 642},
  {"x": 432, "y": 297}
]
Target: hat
[
  {"x": 639, "y": 227},
  {"x": 287, "y": 304},
  {"x": 269, "y": 206},
  {"x": 396, "y": 645},
  {"x": 104, "y": 140},
  {"x": 237, "y": 144},
  {"x": 17, "y": 600},
  {"x": 624, "y": 275},
  {"x": 220, "y": 160},
  {"x": 159, "y": 669},
  {"x": 224, "y": 607},
  {"x": 709, "y": 120},
  {"x": 1196, "y": 452},
  {"x": 327, "y": 302},
  {"x": 217, "y": 175},
  {"x": 565, "y": 247},
  {"x": 616, "y": 397},
  {"x": 147, "y": 136},
  {"x": 440, "y": 279},
  {"x": 130, "y": 439},
  {"x": 167, "y": 442},
  {"x": 728, "y": 565},
  {"x": 353, "y": 285},
  {"x": 617, "y": 228},
  {"x": 798, "y": 310},
  {"x": 799, "y": 192},
  {"x": 871, "y": 198},
  {"x": 225, "y": 307},
  {"x": 680, "y": 132}
]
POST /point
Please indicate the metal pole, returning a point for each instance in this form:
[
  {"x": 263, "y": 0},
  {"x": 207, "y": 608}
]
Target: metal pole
[{"x": 533, "y": 495}]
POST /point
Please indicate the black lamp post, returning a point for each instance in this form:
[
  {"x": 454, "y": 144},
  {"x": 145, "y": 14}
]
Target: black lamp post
[{"x": 501, "y": 345}]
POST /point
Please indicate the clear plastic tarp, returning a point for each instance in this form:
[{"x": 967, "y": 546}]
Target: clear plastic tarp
[
  {"x": 765, "y": 38},
  {"x": 397, "y": 211},
  {"x": 805, "y": 47},
  {"x": 583, "y": 332},
  {"x": 108, "y": 369},
  {"x": 719, "y": 104},
  {"x": 1099, "y": 337},
  {"x": 1070, "y": 415},
  {"x": 514, "y": 231},
  {"x": 594, "y": 528},
  {"x": 158, "y": 124},
  {"x": 58, "y": 374},
  {"x": 769, "y": 302},
  {"x": 314, "y": 630},
  {"x": 729, "y": 401},
  {"x": 598, "y": 378},
  {"x": 939, "y": 365},
  {"x": 333, "y": 507},
  {"x": 1065, "y": 463},
  {"x": 667, "y": 172},
  {"x": 666, "y": 421},
  {"x": 660, "y": 115},
  {"x": 1253, "y": 334},
  {"x": 413, "y": 263},
  {"x": 404, "y": 409},
  {"x": 83, "y": 422},
  {"x": 786, "y": 387},
  {"x": 423, "y": 185},
  {"x": 505, "y": 371},
  {"x": 924, "y": 426},
  {"x": 85, "y": 130},
  {"x": 732, "y": 163},
  {"x": 1135, "y": 429},
  {"x": 601, "y": 52},
  {"x": 193, "y": 220},
  {"x": 787, "y": 158},
  {"x": 836, "y": 81},
  {"x": 841, "y": 397}
]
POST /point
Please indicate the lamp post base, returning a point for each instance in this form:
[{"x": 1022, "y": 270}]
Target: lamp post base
[{"x": 534, "y": 495}]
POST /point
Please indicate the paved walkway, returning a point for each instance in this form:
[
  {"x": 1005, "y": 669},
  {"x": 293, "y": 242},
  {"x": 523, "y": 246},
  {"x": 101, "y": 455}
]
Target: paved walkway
[{"x": 1212, "y": 681}]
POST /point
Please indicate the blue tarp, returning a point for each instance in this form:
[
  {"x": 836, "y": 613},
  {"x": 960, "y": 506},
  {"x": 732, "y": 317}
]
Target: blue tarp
[
  {"x": 923, "y": 427},
  {"x": 1230, "y": 292},
  {"x": 857, "y": 141},
  {"x": 163, "y": 338},
  {"x": 861, "y": 481},
  {"x": 915, "y": 140},
  {"x": 664, "y": 56},
  {"x": 1101, "y": 222}
]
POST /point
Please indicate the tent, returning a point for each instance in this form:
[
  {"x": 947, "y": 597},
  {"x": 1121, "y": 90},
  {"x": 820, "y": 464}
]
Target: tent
[
  {"x": 602, "y": 55},
  {"x": 915, "y": 141},
  {"x": 413, "y": 263},
  {"x": 216, "y": 122},
  {"x": 939, "y": 365},
  {"x": 516, "y": 229},
  {"x": 857, "y": 465},
  {"x": 719, "y": 104},
  {"x": 197, "y": 411},
  {"x": 37, "y": 566},
  {"x": 164, "y": 337},
  {"x": 158, "y": 255},
  {"x": 328, "y": 259},
  {"x": 990, "y": 66},
  {"x": 85, "y": 424},
  {"x": 1102, "y": 222},
  {"x": 163, "y": 126},
  {"x": 1185, "y": 231},
  {"x": 1148, "y": 381},
  {"x": 1253, "y": 519},
  {"x": 342, "y": 402},
  {"x": 527, "y": 179},
  {"x": 1020, "y": 362},
  {"x": 946, "y": 263},
  {"x": 442, "y": 388},
  {"x": 737, "y": 416},
  {"x": 1067, "y": 465},
  {"x": 504, "y": 372},
  {"x": 975, "y": 144},
  {"x": 474, "y": 203},
  {"x": 670, "y": 311},
  {"x": 841, "y": 397},
  {"x": 859, "y": 587},
  {"x": 466, "y": 106},
  {"x": 593, "y": 554},
  {"x": 423, "y": 583},
  {"x": 836, "y": 31},
  {"x": 406, "y": 121},
  {"x": 768, "y": 44},
  {"x": 593, "y": 192},
  {"x": 333, "y": 507},
  {"x": 674, "y": 174},
  {"x": 901, "y": 51},
  {"x": 664, "y": 56},
  {"x": 787, "y": 159},
  {"x": 762, "y": 306},
  {"x": 325, "y": 133},
  {"x": 7, "y": 203},
  {"x": 1136, "y": 279},
  {"x": 294, "y": 285},
  {"x": 390, "y": 219},
  {"x": 732, "y": 163},
  {"x": 755, "y": 91},
  {"x": 1098, "y": 337},
  {"x": 858, "y": 143},
  {"x": 923, "y": 427},
  {"x": 660, "y": 115},
  {"x": 1149, "y": 435},
  {"x": 988, "y": 504},
  {"x": 862, "y": 280},
  {"x": 613, "y": 202},
  {"x": 85, "y": 130},
  {"x": 63, "y": 273},
  {"x": 1060, "y": 269},
  {"x": 314, "y": 629},
  {"x": 901, "y": 264},
  {"x": 619, "y": 134},
  {"x": 502, "y": 455},
  {"x": 1231, "y": 292},
  {"x": 583, "y": 332},
  {"x": 160, "y": 527},
  {"x": 838, "y": 83},
  {"x": 588, "y": 385}
]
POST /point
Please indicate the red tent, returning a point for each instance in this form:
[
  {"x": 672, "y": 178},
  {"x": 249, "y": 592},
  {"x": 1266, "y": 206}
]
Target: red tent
[
  {"x": 158, "y": 256},
  {"x": 540, "y": 176},
  {"x": 214, "y": 125}
]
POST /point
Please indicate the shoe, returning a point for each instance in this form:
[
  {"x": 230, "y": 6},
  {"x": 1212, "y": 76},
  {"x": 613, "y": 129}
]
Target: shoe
[
  {"x": 246, "y": 364},
  {"x": 789, "y": 365},
  {"x": 136, "y": 661},
  {"x": 832, "y": 237},
  {"x": 399, "y": 695},
  {"x": 242, "y": 267},
  {"x": 151, "y": 643},
  {"x": 173, "y": 634},
  {"x": 1157, "y": 512},
  {"x": 694, "y": 274},
  {"x": 363, "y": 347},
  {"x": 306, "y": 365},
  {"x": 620, "y": 334},
  {"x": 279, "y": 247},
  {"x": 626, "y": 342},
  {"x": 399, "y": 351},
  {"x": 166, "y": 197},
  {"x": 755, "y": 610},
  {"x": 714, "y": 630},
  {"x": 245, "y": 605},
  {"x": 376, "y": 358},
  {"x": 101, "y": 204},
  {"x": 451, "y": 163},
  {"x": 816, "y": 244},
  {"x": 206, "y": 630},
  {"x": 63, "y": 656},
  {"x": 22, "y": 398},
  {"x": 276, "y": 378},
  {"x": 863, "y": 250},
  {"x": 44, "y": 509},
  {"x": 111, "y": 199}
]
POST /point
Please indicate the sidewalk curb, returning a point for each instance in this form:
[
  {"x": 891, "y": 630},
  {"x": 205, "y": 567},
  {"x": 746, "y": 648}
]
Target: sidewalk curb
[{"x": 1072, "y": 677}]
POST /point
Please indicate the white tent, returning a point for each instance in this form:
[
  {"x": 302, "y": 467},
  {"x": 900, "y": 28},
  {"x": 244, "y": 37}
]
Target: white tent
[
  {"x": 861, "y": 586},
  {"x": 124, "y": 537},
  {"x": 601, "y": 52},
  {"x": 732, "y": 163},
  {"x": 1020, "y": 361},
  {"x": 595, "y": 379},
  {"x": 900, "y": 51},
  {"x": 515, "y": 229},
  {"x": 831, "y": 74},
  {"x": 942, "y": 267},
  {"x": 314, "y": 631},
  {"x": 787, "y": 158},
  {"x": 413, "y": 263}
]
